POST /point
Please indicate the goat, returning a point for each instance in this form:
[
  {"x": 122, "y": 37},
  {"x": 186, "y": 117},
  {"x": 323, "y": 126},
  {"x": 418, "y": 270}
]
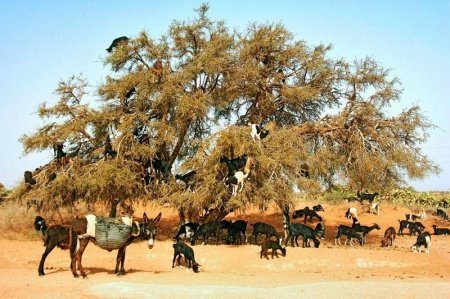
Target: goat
[
  {"x": 374, "y": 207},
  {"x": 389, "y": 237},
  {"x": 80, "y": 236},
  {"x": 187, "y": 230},
  {"x": 130, "y": 92},
  {"x": 109, "y": 149},
  {"x": 348, "y": 231},
  {"x": 36, "y": 203},
  {"x": 413, "y": 217},
  {"x": 442, "y": 214},
  {"x": 205, "y": 230},
  {"x": 162, "y": 169},
  {"x": 258, "y": 132},
  {"x": 234, "y": 232},
  {"x": 366, "y": 196},
  {"x": 307, "y": 212},
  {"x": 266, "y": 229},
  {"x": 269, "y": 244},
  {"x": 236, "y": 180},
  {"x": 298, "y": 229},
  {"x": 424, "y": 239},
  {"x": 53, "y": 236},
  {"x": 304, "y": 170},
  {"x": 181, "y": 248},
  {"x": 440, "y": 231},
  {"x": 412, "y": 226},
  {"x": 234, "y": 165},
  {"x": 351, "y": 213},
  {"x": 365, "y": 230},
  {"x": 116, "y": 42},
  {"x": 60, "y": 155},
  {"x": 28, "y": 177},
  {"x": 187, "y": 179}
]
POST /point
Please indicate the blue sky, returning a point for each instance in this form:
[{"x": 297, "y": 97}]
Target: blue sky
[{"x": 44, "y": 42}]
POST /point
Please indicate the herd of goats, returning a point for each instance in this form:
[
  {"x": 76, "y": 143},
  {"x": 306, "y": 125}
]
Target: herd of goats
[
  {"x": 76, "y": 236},
  {"x": 116, "y": 233}
]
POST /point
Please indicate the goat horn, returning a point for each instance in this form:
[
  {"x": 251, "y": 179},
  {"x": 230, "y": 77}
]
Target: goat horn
[{"x": 139, "y": 230}]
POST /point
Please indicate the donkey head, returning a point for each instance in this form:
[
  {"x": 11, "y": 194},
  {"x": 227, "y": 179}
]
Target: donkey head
[{"x": 148, "y": 229}]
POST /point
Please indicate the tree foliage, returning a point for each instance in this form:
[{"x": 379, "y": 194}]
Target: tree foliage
[{"x": 187, "y": 98}]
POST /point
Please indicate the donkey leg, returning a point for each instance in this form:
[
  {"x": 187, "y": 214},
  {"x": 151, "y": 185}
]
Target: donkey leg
[{"x": 121, "y": 261}]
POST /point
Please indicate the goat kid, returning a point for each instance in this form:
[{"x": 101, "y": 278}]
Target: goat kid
[
  {"x": 389, "y": 237},
  {"x": 269, "y": 244},
  {"x": 424, "y": 239},
  {"x": 181, "y": 248}
]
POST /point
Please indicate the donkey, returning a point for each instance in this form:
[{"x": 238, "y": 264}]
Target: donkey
[{"x": 80, "y": 236}]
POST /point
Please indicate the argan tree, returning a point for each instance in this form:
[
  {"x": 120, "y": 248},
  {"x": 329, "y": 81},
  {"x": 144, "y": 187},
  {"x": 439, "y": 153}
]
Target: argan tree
[{"x": 186, "y": 100}]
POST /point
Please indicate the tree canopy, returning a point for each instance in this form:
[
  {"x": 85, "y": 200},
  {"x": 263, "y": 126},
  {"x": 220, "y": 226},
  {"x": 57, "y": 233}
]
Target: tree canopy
[{"x": 187, "y": 98}]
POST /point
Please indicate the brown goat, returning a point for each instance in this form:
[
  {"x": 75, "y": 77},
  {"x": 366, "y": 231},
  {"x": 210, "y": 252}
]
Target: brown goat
[{"x": 389, "y": 237}]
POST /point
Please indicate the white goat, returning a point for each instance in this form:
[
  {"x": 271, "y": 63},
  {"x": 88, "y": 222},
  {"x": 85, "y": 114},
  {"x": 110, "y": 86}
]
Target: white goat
[
  {"x": 258, "y": 132},
  {"x": 236, "y": 180},
  {"x": 351, "y": 213},
  {"x": 374, "y": 207}
]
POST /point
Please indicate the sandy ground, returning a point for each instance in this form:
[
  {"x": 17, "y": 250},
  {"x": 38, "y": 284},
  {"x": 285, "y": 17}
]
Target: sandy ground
[{"x": 236, "y": 271}]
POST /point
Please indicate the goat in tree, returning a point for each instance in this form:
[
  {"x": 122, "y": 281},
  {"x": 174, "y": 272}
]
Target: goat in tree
[{"x": 116, "y": 42}]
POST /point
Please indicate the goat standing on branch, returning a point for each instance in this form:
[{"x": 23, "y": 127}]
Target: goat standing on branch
[{"x": 238, "y": 178}]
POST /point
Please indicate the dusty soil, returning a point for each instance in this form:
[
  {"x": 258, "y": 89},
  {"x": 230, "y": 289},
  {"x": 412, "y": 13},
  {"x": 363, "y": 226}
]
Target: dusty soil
[{"x": 236, "y": 271}]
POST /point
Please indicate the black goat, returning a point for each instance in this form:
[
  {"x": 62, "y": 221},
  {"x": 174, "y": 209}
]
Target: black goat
[
  {"x": 412, "y": 226},
  {"x": 298, "y": 229},
  {"x": 440, "y": 231},
  {"x": 234, "y": 232},
  {"x": 266, "y": 229},
  {"x": 187, "y": 179},
  {"x": 424, "y": 239},
  {"x": 365, "y": 230},
  {"x": 187, "y": 230},
  {"x": 130, "y": 92},
  {"x": 109, "y": 149},
  {"x": 181, "y": 248},
  {"x": 269, "y": 244},
  {"x": 116, "y": 42},
  {"x": 205, "y": 230},
  {"x": 366, "y": 196},
  {"x": 307, "y": 212},
  {"x": 234, "y": 164},
  {"x": 162, "y": 169},
  {"x": 53, "y": 236},
  {"x": 442, "y": 214},
  {"x": 348, "y": 231},
  {"x": 28, "y": 177}
]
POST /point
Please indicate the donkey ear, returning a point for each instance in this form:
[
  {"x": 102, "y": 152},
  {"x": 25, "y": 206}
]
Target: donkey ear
[
  {"x": 145, "y": 217},
  {"x": 157, "y": 218}
]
